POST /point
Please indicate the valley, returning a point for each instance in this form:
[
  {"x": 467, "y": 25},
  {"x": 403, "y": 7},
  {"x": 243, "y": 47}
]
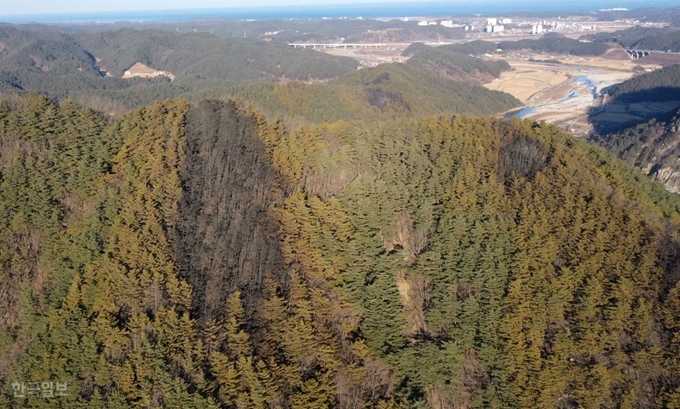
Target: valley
[
  {"x": 562, "y": 93},
  {"x": 563, "y": 90}
]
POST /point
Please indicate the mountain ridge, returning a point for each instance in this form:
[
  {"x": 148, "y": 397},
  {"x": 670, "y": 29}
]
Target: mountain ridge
[{"x": 436, "y": 262}]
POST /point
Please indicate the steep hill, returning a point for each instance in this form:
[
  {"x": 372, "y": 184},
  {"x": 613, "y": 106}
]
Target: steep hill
[
  {"x": 647, "y": 135},
  {"x": 638, "y": 100},
  {"x": 657, "y": 86},
  {"x": 653, "y": 147},
  {"x": 200, "y": 256}
]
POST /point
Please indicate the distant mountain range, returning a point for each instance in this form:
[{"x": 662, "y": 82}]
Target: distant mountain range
[{"x": 89, "y": 67}]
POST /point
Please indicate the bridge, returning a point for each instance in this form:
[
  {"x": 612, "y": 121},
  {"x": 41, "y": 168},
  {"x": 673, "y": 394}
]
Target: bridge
[
  {"x": 644, "y": 53},
  {"x": 348, "y": 45},
  {"x": 640, "y": 53}
]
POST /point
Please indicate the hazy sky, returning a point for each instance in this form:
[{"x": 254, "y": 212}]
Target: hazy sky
[
  {"x": 12, "y": 7},
  {"x": 69, "y": 6}
]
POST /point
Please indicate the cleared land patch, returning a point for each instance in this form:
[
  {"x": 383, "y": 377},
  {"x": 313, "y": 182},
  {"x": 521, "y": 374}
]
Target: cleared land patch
[{"x": 140, "y": 70}]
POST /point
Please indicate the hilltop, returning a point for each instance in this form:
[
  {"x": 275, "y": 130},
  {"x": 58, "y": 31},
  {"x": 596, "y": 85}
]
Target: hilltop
[{"x": 201, "y": 256}]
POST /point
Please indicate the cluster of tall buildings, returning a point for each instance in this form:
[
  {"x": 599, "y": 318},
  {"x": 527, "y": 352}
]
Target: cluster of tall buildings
[
  {"x": 496, "y": 25},
  {"x": 537, "y": 29}
]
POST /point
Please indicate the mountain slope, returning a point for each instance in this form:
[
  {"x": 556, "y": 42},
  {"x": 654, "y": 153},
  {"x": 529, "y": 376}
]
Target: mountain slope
[
  {"x": 62, "y": 65},
  {"x": 195, "y": 56},
  {"x": 638, "y": 100},
  {"x": 653, "y": 147},
  {"x": 646, "y": 136},
  {"x": 644, "y": 38},
  {"x": 442, "y": 263},
  {"x": 88, "y": 67},
  {"x": 657, "y": 86},
  {"x": 444, "y": 62}
]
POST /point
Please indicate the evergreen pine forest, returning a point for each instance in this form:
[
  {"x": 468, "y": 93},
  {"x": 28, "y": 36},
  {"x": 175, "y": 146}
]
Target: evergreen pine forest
[{"x": 205, "y": 255}]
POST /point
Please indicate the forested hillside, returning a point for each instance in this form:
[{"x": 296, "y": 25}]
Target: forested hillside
[
  {"x": 196, "y": 56},
  {"x": 87, "y": 68},
  {"x": 203, "y": 256},
  {"x": 62, "y": 65},
  {"x": 556, "y": 43},
  {"x": 549, "y": 43},
  {"x": 653, "y": 147},
  {"x": 45, "y": 52},
  {"x": 650, "y": 143},
  {"x": 657, "y": 86},
  {"x": 477, "y": 47},
  {"x": 385, "y": 92},
  {"x": 647, "y": 97},
  {"x": 448, "y": 63},
  {"x": 644, "y": 38}
]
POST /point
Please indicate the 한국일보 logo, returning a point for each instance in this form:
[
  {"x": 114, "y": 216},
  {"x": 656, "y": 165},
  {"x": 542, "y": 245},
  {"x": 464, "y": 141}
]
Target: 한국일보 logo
[{"x": 46, "y": 389}]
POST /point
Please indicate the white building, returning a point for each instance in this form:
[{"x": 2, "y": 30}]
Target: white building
[
  {"x": 447, "y": 23},
  {"x": 491, "y": 21}
]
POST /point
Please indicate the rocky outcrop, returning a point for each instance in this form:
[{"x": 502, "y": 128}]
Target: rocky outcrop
[
  {"x": 668, "y": 175},
  {"x": 653, "y": 147},
  {"x": 659, "y": 157}
]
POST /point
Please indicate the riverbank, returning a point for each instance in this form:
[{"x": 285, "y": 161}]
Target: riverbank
[{"x": 562, "y": 94}]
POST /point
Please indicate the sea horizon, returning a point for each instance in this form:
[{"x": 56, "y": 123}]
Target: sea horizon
[{"x": 333, "y": 11}]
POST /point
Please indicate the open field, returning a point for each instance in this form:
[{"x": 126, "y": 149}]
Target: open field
[
  {"x": 660, "y": 59},
  {"x": 533, "y": 82},
  {"x": 528, "y": 79}
]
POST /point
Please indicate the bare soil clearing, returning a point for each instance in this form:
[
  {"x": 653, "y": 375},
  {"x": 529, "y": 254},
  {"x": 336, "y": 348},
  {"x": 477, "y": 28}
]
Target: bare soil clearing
[{"x": 143, "y": 71}]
